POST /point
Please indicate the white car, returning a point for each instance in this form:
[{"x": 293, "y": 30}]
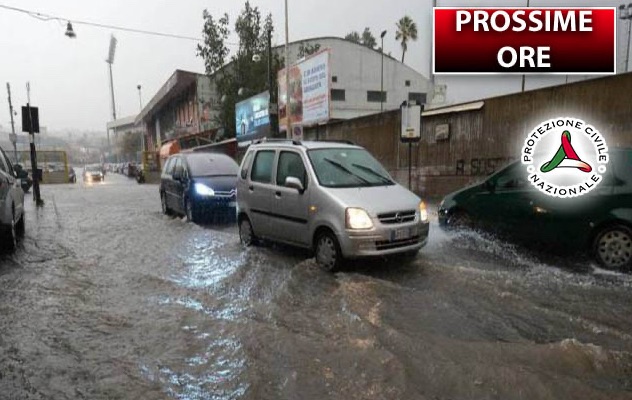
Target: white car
[{"x": 11, "y": 205}]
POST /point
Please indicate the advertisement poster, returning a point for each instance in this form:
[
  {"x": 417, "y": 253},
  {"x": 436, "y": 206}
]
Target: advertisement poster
[
  {"x": 309, "y": 91},
  {"x": 252, "y": 118}
]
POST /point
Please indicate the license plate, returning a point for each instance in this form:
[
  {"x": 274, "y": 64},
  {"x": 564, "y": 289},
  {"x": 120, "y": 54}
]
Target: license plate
[
  {"x": 400, "y": 234},
  {"x": 232, "y": 204}
]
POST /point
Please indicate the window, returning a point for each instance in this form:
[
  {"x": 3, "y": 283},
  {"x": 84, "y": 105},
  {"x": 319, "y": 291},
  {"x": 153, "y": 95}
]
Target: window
[
  {"x": 244, "y": 170},
  {"x": 407, "y": 83},
  {"x": 2, "y": 162},
  {"x": 209, "y": 164},
  {"x": 177, "y": 163},
  {"x": 168, "y": 168},
  {"x": 337, "y": 95},
  {"x": 348, "y": 167},
  {"x": 291, "y": 164},
  {"x": 511, "y": 179},
  {"x": 262, "y": 167},
  {"x": 420, "y": 98},
  {"x": 622, "y": 163},
  {"x": 334, "y": 79},
  {"x": 373, "y": 96}
]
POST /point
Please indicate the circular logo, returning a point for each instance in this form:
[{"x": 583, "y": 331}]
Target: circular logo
[{"x": 565, "y": 157}]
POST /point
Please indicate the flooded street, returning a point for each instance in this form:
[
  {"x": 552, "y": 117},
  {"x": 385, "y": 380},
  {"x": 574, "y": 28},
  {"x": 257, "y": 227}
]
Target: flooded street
[{"x": 107, "y": 298}]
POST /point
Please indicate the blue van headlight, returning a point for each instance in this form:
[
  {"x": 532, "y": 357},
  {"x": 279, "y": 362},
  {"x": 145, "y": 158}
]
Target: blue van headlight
[{"x": 203, "y": 190}]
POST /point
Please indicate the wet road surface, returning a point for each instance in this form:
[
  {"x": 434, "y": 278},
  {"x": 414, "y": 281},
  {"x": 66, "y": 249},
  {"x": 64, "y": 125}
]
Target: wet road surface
[{"x": 106, "y": 298}]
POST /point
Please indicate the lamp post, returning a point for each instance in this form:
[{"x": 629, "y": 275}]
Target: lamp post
[
  {"x": 625, "y": 13},
  {"x": 288, "y": 116},
  {"x": 382, "y": 74},
  {"x": 140, "y": 104}
]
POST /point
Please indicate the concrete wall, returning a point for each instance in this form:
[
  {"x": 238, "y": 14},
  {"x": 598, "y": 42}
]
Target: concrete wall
[{"x": 483, "y": 140}]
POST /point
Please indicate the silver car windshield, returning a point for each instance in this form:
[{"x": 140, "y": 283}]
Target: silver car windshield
[{"x": 347, "y": 167}]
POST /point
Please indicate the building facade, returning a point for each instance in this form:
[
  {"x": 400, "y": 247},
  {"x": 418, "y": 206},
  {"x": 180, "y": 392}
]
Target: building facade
[
  {"x": 356, "y": 78},
  {"x": 185, "y": 107}
]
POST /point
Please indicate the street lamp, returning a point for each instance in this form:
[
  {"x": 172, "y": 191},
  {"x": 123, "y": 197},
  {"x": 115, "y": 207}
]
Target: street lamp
[
  {"x": 626, "y": 13},
  {"x": 140, "y": 104},
  {"x": 382, "y": 74},
  {"x": 288, "y": 114},
  {"x": 140, "y": 97},
  {"x": 69, "y": 31}
]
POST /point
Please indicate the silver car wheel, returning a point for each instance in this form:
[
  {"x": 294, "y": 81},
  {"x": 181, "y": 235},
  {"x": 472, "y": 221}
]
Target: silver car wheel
[
  {"x": 13, "y": 236},
  {"x": 614, "y": 248},
  {"x": 327, "y": 252},
  {"x": 163, "y": 203},
  {"x": 245, "y": 232}
]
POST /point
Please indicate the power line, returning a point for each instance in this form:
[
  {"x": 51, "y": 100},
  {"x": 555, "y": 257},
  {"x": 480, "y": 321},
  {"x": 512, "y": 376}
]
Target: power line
[{"x": 47, "y": 17}]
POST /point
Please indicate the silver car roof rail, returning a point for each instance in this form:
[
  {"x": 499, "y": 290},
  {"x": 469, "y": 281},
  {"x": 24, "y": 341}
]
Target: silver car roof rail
[{"x": 265, "y": 140}]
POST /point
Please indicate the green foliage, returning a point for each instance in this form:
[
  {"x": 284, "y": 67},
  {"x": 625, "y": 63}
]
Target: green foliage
[
  {"x": 306, "y": 49},
  {"x": 214, "y": 50},
  {"x": 243, "y": 72},
  {"x": 354, "y": 37},
  {"x": 366, "y": 39},
  {"x": 406, "y": 30},
  {"x": 129, "y": 143}
]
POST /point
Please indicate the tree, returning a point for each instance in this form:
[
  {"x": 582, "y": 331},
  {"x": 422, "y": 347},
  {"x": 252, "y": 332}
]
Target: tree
[
  {"x": 129, "y": 143},
  {"x": 368, "y": 39},
  {"x": 214, "y": 50},
  {"x": 243, "y": 77},
  {"x": 306, "y": 49},
  {"x": 354, "y": 36},
  {"x": 406, "y": 30}
]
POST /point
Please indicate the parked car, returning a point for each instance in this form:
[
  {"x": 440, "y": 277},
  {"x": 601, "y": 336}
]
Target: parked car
[
  {"x": 129, "y": 170},
  {"x": 508, "y": 205},
  {"x": 72, "y": 177},
  {"x": 198, "y": 185},
  {"x": 93, "y": 173},
  {"x": 11, "y": 204},
  {"x": 333, "y": 198}
]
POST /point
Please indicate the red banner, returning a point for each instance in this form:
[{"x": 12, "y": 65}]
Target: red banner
[{"x": 525, "y": 40}]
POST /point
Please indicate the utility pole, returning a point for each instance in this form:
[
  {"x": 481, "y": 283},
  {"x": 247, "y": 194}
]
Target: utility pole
[
  {"x": 288, "y": 113},
  {"x": 272, "y": 105},
  {"x": 382, "y": 74},
  {"x": 36, "y": 175},
  {"x": 142, "y": 134},
  {"x": 523, "y": 75},
  {"x": 14, "y": 138}
]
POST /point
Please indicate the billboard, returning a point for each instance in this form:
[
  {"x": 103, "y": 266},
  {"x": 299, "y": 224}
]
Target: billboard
[
  {"x": 309, "y": 91},
  {"x": 252, "y": 118}
]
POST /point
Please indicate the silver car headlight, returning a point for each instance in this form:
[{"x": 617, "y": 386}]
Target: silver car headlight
[
  {"x": 423, "y": 212},
  {"x": 357, "y": 218}
]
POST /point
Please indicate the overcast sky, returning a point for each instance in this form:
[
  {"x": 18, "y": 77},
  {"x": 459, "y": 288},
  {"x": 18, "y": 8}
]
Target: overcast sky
[{"x": 69, "y": 77}]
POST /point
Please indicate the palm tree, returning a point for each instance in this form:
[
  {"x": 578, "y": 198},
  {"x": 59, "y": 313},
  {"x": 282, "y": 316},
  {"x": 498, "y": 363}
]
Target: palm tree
[{"x": 406, "y": 30}]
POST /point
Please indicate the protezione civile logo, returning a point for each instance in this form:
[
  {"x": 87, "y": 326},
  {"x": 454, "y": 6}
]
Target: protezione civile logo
[{"x": 565, "y": 157}]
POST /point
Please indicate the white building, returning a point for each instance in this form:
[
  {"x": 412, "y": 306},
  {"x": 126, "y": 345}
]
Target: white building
[
  {"x": 356, "y": 72},
  {"x": 185, "y": 107}
]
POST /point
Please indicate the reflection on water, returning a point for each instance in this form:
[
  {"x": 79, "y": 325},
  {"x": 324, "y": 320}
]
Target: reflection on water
[{"x": 122, "y": 302}]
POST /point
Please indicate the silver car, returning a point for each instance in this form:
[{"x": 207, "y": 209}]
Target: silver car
[
  {"x": 333, "y": 198},
  {"x": 11, "y": 205}
]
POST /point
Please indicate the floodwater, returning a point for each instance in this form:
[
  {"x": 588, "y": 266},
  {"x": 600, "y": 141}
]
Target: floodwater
[{"x": 107, "y": 298}]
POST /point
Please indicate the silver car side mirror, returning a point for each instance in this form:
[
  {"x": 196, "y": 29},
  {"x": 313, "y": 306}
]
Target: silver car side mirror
[{"x": 294, "y": 183}]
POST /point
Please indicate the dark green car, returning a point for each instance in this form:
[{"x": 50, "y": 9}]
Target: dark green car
[{"x": 506, "y": 204}]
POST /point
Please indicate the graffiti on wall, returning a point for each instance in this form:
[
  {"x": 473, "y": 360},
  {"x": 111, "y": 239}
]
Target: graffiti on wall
[{"x": 480, "y": 166}]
